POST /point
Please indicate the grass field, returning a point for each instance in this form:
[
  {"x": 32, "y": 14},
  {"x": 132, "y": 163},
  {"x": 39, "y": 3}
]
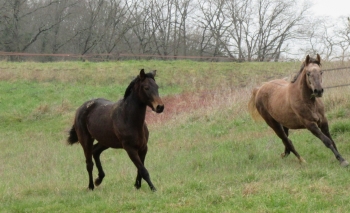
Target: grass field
[{"x": 205, "y": 152}]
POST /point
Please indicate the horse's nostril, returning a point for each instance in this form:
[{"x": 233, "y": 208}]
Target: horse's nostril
[
  {"x": 318, "y": 91},
  {"x": 160, "y": 108}
]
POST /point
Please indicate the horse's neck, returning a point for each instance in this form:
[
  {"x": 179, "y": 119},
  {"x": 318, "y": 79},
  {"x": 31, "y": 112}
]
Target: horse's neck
[
  {"x": 134, "y": 109},
  {"x": 303, "y": 88}
]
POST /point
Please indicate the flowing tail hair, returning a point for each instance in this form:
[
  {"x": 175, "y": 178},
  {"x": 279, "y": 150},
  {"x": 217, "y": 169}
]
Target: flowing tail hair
[
  {"x": 253, "y": 111},
  {"x": 73, "y": 137}
]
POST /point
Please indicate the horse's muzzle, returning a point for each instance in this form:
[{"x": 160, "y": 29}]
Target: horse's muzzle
[
  {"x": 318, "y": 92},
  {"x": 159, "y": 108}
]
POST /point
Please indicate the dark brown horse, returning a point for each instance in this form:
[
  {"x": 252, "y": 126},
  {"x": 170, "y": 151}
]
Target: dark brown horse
[
  {"x": 295, "y": 105},
  {"x": 118, "y": 125}
]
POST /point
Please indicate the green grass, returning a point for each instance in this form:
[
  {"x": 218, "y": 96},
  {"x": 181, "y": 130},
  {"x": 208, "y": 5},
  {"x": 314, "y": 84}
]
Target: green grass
[{"x": 209, "y": 159}]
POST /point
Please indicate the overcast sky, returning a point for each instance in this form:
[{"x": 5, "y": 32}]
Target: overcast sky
[{"x": 332, "y": 8}]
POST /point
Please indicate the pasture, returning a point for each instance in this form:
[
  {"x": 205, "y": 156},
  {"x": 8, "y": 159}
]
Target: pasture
[{"x": 205, "y": 152}]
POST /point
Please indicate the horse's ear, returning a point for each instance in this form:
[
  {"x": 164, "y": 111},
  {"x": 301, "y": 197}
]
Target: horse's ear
[
  {"x": 318, "y": 58},
  {"x": 142, "y": 74},
  {"x": 154, "y": 72},
  {"x": 307, "y": 60}
]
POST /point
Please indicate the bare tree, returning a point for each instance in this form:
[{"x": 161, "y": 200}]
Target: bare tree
[
  {"x": 162, "y": 25},
  {"x": 325, "y": 37},
  {"x": 116, "y": 23},
  {"x": 18, "y": 31},
  {"x": 212, "y": 23},
  {"x": 138, "y": 39},
  {"x": 89, "y": 17},
  {"x": 344, "y": 38},
  {"x": 182, "y": 9},
  {"x": 61, "y": 34},
  {"x": 239, "y": 13},
  {"x": 276, "y": 20},
  {"x": 261, "y": 28}
]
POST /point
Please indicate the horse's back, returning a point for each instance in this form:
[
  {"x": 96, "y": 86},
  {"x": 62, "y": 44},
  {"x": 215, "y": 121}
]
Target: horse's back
[
  {"x": 86, "y": 108},
  {"x": 272, "y": 91}
]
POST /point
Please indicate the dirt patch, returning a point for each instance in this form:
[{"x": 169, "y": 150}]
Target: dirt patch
[
  {"x": 190, "y": 102},
  {"x": 178, "y": 104}
]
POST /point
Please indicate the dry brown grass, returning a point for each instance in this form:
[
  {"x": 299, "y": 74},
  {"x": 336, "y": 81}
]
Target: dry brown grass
[
  {"x": 201, "y": 104},
  {"x": 253, "y": 188}
]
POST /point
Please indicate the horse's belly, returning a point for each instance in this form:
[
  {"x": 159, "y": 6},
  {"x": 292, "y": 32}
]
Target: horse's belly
[
  {"x": 282, "y": 112},
  {"x": 273, "y": 100},
  {"x": 101, "y": 129},
  {"x": 292, "y": 124},
  {"x": 289, "y": 120},
  {"x": 108, "y": 139}
]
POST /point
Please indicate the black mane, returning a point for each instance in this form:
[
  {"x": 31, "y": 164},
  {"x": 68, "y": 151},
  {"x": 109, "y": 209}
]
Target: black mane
[
  {"x": 133, "y": 82},
  {"x": 312, "y": 60}
]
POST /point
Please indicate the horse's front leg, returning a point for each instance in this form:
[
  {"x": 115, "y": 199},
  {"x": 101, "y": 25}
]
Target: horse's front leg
[
  {"x": 313, "y": 128},
  {"x": 142, "y": 154},
  {"x": 141, "y": 170},
  {"x": 325, "y": 130}
]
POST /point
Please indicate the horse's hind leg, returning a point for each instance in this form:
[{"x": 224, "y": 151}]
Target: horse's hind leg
[
  {"x": 282, "y": 132},
  {"x": 142, "y": 171},
  {"x": 97, "y": 150},
  {"x": 286, "y": 148},
  {"x": 87, "y": 146}
]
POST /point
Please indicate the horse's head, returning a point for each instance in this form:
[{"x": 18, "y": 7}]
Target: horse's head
[
  {"x": 313, "y": 73},
  {"x": 148, "y": 91}
]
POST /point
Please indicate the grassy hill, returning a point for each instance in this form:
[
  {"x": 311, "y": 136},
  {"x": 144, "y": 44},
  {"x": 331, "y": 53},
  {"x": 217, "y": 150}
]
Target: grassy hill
[{"x": 205, "y": 152}]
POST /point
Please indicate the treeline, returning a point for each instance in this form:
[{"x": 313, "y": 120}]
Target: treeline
[{"x": 244, "y": 30}]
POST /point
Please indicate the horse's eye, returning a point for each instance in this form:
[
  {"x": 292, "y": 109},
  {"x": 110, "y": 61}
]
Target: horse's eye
[
  {"x": 308, "y": 73},
  {"x": 321, "y": 72},
  {"x": 146, "y": 88}
]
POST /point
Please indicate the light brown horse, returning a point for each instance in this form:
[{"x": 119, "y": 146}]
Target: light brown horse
[
  {"x": 295, "y": 105},
  {"x": 119, "y": 125}
]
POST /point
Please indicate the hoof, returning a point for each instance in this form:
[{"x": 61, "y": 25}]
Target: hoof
[
  {"x": 344, "y": 163},
  {"x": 137, "y": 184},
  {"x": 284, "y": 155},
  {"x": 98, "y": 182},
  {"x": 301, "y": 160}
]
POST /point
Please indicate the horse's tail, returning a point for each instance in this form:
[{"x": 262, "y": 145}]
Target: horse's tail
[
  {"x": 253, "y": 111},
  {"x": 73, "y": 137},
  {"x": 80, "y": 121}
]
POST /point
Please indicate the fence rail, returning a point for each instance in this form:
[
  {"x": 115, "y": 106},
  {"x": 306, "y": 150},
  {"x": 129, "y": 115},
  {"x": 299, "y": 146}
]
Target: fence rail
[
  {"x": 118, "y": 56},
  {"x": 341, "y": 85},
  {"x": 342, "y": 77},
  {"x": 335, "y": 69}
]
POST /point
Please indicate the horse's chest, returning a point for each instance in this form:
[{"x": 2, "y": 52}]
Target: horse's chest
[
  {"x": 130, "y": 136},
  {"x": 308, "y": 112}
]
